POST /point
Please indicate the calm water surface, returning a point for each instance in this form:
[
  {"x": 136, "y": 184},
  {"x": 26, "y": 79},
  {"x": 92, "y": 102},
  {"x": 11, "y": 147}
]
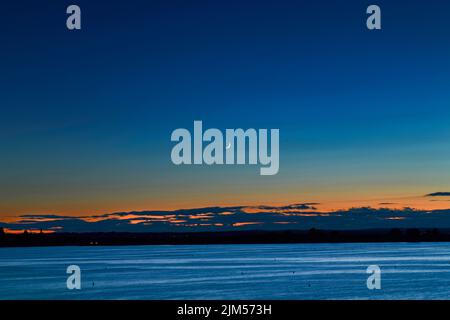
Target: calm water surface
[{"x": 267, "y": 271}]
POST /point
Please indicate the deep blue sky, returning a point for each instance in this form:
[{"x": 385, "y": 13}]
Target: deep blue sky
[{"x": 86, "y": 115}]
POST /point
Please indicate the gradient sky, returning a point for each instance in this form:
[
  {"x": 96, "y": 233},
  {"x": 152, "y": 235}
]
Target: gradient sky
[{"x": 86, "y": 116}]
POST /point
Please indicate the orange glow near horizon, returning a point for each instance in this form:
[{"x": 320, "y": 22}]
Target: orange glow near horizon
[
  {"x": 250, "y": 206},
  {"x": 21, "y": 231}
]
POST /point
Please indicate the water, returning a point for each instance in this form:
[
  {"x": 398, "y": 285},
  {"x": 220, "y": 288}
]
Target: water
[{"x": 266, "y": 271}]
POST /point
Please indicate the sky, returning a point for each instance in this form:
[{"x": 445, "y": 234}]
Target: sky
[{"x": 86, "y": 115}]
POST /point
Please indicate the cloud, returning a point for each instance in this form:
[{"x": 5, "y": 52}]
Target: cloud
[
  {"x": 294, "y": 216},
  {"x": 438, "y": 194}
]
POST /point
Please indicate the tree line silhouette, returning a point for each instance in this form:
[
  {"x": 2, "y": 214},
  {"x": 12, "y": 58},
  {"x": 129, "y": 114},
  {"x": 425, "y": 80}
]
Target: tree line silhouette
[{"x": 233, "y": 237}]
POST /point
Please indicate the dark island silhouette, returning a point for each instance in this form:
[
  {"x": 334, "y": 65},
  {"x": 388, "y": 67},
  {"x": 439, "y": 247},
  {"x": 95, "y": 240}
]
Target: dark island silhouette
[{"x": 232, "y": 237}]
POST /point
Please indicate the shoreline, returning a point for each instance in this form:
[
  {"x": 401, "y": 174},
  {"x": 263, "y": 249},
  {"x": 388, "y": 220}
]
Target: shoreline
[{"x": 231, "y": 237}]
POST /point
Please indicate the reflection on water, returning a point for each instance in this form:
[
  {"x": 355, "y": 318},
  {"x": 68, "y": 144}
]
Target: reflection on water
[{"x": 267, "y": 271}]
